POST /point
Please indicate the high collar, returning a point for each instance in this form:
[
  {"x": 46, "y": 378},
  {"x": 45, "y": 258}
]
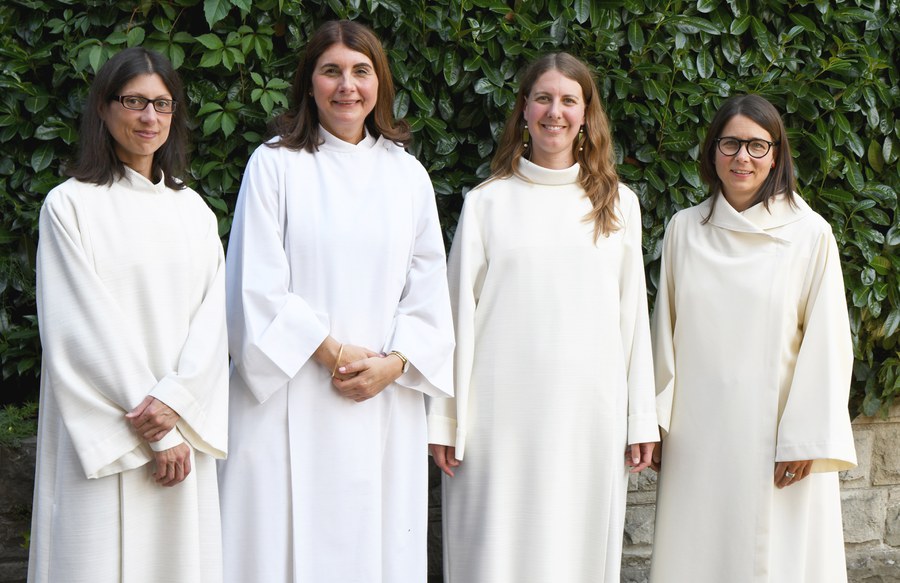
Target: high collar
[
  {"x": 757, "y": 218},
  {"x": 140, "y": 183},
  {"x": 332, "y": 142},
  {"x": 540, "y": 175}
]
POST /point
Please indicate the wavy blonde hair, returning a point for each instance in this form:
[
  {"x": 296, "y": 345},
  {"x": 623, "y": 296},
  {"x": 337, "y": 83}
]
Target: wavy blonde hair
[{"x": 594, "y": 152}]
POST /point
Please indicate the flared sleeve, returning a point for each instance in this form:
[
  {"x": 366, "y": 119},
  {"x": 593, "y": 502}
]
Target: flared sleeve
[
  {"x": 198, "y": 388},
  {"x": 96, "y": 366},
  {"x": 664, "y": 333},
  {"x": 815, "y": 423},
  {"x": 634, "y": 326},
  {"x": 272, "y": 332},
  {"x": 422, "y": 328},
  {"x": 466, "y": 269}
]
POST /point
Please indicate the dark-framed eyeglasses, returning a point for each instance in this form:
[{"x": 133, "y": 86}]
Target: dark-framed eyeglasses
[
  {"x": 757, "y": 148},
  {"x": 138, "y": 103}
]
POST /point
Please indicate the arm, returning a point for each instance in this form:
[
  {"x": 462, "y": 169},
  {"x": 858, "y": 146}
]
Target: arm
[
  {"x": 664, "y": 315},
  {"x": 635, "y": 332},
  {"x": 272, "y": 332},
  {"x": 815, "y": 423},
  {"x": 422, "y": 328}
]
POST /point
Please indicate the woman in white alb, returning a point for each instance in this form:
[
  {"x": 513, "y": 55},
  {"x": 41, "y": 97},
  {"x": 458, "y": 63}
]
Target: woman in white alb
[
  {"x": 134, "y": 377},
  {"x": 553, "y": 373},
  {"x": 339, "y": 324},
  {"x": 753, "y": 365}
]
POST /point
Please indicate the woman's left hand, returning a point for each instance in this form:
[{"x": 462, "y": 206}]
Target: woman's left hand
[
  {"x": 787, "y": 473},
  {"x": 638, "y": 456},
  {"x": 368, "y": 376},
  {"x": 152, "y": 419}
]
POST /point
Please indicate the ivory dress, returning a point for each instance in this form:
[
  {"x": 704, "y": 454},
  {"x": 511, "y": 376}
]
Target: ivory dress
[
  {"x": 753, "y": 366},
  {"x": 319, "y": 488},
  {"x": 131, "y": 302},
  {"x": 553, "y": 378}
]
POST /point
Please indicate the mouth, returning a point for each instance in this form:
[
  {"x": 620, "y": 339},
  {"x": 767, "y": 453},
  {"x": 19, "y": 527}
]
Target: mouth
[
  {"x": 742, "y": 172},
  {"x": 345, "y": 103},
  {"x": 147, "y": 134},
  {"x": 553, "y": 128}
]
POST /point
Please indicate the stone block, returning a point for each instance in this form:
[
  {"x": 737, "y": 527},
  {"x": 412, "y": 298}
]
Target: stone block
[
  {"x": 864, "y": 513},
  {"x": 639, "y": 525},
  {"x": 892, "y": 528},
  {"x": 13, "y": 572},
  {"x": 635, "y": 567},
  {"x": 886, "y": 455},
  {"x": 873, "y": 566},
  {"x": 859, "y": 477}
]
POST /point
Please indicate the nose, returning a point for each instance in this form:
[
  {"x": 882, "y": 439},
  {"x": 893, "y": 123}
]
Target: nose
[
  {"x": 346, "y": 82},
  {"x": 555, "y": 110},
  {"x": 743, "y": 152},
  {"x": 149, "y": 113}
]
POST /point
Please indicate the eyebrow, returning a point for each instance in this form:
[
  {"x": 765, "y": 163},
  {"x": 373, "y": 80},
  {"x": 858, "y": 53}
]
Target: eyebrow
[
  {"x": 363, "y": 64},
  {"x": 572, "y": 95}
]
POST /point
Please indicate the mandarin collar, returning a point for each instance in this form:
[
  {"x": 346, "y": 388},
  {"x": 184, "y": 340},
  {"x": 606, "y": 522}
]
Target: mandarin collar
[
  {"x": 332, "y": 142},
  {"x": 758, "y": 219},
  {"x": 547, "y": 176},
  {"x": 140, "y": 183}
]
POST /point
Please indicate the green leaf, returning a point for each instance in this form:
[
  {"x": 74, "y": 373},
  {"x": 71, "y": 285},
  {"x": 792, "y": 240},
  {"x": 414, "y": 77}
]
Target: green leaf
[
  {"x": 876, "y": 160},
  {"x": 211, "y": 41},
  {"x": 215, "y": 10},
  {"x": 635, "y": 35},
  {"x": 740, "y": 25},
  {"x": 136, "y": 36},
  {"x": 42, "y": 157},
  {"x": 705, "y": 64}
]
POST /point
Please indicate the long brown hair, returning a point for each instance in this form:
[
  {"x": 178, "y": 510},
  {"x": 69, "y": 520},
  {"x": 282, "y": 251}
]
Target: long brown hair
[
  {"x": 97, "y": 161},
  {"x": 298, "y": 128},
  {"x": 594, "y": 154},
  {"x": 763, "y": 113}
]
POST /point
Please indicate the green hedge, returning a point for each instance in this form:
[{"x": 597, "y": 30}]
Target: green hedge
[{"x": 663, "y": 65}]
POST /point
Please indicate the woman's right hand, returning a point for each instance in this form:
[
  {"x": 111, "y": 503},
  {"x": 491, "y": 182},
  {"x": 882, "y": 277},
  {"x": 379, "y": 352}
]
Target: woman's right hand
[
  {"x": 444, "y": 457},
  {"x": 331, "y": 354},
  {"x": 656, "y": 457},
  {"x": 172, "y": 465}
]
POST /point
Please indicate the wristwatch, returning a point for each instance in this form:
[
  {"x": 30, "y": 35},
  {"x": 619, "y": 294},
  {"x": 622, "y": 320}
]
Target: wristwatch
[{"x": 402, "y": 358}]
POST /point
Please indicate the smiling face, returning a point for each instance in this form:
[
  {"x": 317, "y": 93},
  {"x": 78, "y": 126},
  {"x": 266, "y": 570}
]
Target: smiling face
[
  {"x": 554, "y": 112},
  {"x": 742, "y": 175},
  {"x": 345, "y": 88},
  {"x": 138, "y": 134}
]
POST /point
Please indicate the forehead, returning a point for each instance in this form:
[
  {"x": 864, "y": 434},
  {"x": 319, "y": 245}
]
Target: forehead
[
  {"x": 741, "y": 126},
  {"x": 146, "y": 85},
  {"x": 556, "y": 83},
  {"x": 341, "y": 54}
]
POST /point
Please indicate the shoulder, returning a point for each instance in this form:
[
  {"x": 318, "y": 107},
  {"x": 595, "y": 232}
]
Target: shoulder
[
  {"x": 401, "y": 157},
  {"x": 628, "y": 199},
  {"x": 67, "y": 195}
]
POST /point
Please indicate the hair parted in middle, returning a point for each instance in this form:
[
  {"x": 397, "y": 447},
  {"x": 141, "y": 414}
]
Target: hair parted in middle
[
  {"x": 594, "y": 154},
  {"x": 298, "y": 128}
]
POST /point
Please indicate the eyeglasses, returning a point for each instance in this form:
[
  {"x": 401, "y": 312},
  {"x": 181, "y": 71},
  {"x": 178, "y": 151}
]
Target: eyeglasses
[
  {"x": 757, "y": 148},
  {"x": 138, "y": 103}
]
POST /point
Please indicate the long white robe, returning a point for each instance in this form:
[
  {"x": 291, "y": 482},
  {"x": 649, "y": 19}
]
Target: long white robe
[
  {"x": 346, "y": 242},
  {"x": 553, "y": 376},
  {"x": 753, "y": 365},
  {"x": 131, "y": 302}
]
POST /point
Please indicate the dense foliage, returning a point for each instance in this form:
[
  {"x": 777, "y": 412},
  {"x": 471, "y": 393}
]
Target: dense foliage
[{"x": 663, "y": 66}]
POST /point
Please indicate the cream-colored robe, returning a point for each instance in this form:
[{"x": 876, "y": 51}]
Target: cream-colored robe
[
  {"x": 753, "y": 363},
  {"x": 131, "y": 302},
  {"x": 318, "y": 488},
  {"x": 553, "y": 377}
]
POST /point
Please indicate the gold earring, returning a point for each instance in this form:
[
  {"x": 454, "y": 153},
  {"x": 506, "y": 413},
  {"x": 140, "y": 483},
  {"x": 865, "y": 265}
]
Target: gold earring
[
  {"x": 526, "y": 137},
  {"x": 581, "y": 139}
]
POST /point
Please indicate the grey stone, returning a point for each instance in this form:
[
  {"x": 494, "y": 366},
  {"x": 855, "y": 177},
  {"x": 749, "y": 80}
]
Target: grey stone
[
  {"x": 886, "y": 455},
  {"x": 859, "y": 477},
  {"x": 892, "y": 527},
  {"x": 873, "y": 566},
  {"x": 639, "y": 525},
  {"x": 864, "y": 513}
]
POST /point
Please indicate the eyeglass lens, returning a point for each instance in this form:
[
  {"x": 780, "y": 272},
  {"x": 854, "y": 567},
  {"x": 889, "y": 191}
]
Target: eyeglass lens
[{"x": 731, "y": 146}]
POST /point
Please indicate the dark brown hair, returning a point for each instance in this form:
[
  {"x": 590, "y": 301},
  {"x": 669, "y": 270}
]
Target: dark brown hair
[
  {"x": 298, "y": 128},
  {"x": 97, "y": 161},
  {"x": 760, "y": 111},
  {"x": 594, "y": 154}
]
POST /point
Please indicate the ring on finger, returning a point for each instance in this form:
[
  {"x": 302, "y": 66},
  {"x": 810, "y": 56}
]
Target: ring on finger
[{"x": 789, "y": 475}]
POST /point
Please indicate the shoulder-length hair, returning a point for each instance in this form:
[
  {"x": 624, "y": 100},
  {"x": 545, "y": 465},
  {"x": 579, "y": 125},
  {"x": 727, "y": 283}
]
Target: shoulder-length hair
[
  {"x": 763, "y": 113},
  {"x": 298, "y": 128},
  {"x": 594, "y": 152},
  {"x": 97, "y": 161}
]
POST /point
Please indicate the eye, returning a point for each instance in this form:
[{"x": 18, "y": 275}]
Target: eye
[
  {"x": 758, "y": 147},
  {"x": 729, "y": 143},
  {"x": 163, "y": 104},
  {"x": 571, "y": 101},
  {"x": 134, "y": 102}
]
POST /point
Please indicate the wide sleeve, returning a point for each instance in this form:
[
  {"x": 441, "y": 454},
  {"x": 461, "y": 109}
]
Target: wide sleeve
[
  {"x": 422, "y": 328},
  {"x": 198, "y": 388},
  {"x": 664, "y": 315},
  {"x": 466, "y": 269},
  {"x": 94, "y": 364},
  {"x": 272, "y": 332},
  {"x": 634, "y": 326},
  {"x": 815, "y": 423}
]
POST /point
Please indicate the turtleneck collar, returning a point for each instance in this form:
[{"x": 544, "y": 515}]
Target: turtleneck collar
[
  {"x": 140, "y": 183},
  {"x": 332, "y": 142},
  {"x": 540, "y": 175},
  {"x": 757, "y": 218}
]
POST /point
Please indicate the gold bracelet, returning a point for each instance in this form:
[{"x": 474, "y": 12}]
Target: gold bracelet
[
  {"x": 337, "y": 360},
  {"x": 403, "y": 360}
]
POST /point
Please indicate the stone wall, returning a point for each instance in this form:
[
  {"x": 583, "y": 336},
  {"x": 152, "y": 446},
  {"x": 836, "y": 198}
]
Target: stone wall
[{"x": 870, "y": 495}]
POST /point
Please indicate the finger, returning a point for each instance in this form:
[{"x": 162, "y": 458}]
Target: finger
[
  {"x": 187, "y": 466},
  {"x": 137, "y": 411},
  {"x": 354, "y": 367}
]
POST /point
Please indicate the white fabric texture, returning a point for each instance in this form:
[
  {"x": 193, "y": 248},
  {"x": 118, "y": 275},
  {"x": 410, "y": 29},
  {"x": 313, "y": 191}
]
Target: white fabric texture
[
  {"x": 344, "y": 241},
  {"x": 753, "y": 366},
  {"x": 553, "y": 377},
  {"x": 131, "y": 302}
]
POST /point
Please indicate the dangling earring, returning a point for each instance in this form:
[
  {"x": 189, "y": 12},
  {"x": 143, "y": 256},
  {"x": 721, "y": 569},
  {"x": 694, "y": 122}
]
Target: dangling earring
[
  {"x": 581, "y": 139},
  {"x": 526, "y": 137}
]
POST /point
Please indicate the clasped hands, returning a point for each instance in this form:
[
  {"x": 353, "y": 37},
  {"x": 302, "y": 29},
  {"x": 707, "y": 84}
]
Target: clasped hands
[
  {"x": 153, "y": 419},
  {"x": 360, "y": 373}
]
